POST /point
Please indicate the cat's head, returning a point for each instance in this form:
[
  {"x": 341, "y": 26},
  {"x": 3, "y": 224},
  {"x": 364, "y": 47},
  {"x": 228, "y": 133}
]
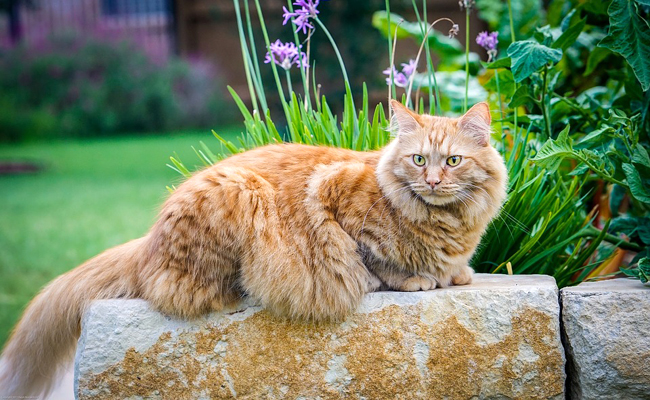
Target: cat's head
[{"x": 443, "y": 160}]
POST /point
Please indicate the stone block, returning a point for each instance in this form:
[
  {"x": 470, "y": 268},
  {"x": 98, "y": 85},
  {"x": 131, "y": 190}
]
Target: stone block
[
  {"x": 497, "y": 338},
  {"x": 606, "y": 326}
]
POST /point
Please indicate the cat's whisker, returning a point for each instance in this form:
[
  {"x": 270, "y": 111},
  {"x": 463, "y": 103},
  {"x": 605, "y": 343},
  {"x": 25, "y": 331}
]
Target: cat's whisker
[
  {"x": 520, "y": 224},
  {"x": 517, "y": 223}
]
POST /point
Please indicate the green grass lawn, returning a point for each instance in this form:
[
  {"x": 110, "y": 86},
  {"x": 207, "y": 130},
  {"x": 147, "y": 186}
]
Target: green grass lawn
[{"x": 93, "y": 194}]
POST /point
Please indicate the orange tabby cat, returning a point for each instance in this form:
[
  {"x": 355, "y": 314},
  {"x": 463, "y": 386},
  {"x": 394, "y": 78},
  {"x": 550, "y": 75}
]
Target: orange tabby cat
[{"x": 305, "y": 230}]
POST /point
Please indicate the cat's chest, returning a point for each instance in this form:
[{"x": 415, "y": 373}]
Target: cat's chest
[{"x": 442, "y": 240}]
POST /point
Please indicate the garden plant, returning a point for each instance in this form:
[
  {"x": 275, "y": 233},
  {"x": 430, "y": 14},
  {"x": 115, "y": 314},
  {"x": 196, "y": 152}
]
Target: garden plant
[{"x": 569, "y": 89}]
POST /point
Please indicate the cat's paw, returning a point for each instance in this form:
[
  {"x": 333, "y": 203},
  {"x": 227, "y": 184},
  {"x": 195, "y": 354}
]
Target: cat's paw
[
  {"x": 373, "y": 283},
  {"x": 416, "y": 283},
  {"x": 464, "y": 277}
]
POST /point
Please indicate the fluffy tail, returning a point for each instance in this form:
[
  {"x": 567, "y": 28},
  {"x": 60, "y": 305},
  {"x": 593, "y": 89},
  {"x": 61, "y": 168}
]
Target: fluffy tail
[{"x": 44, "y": 340}]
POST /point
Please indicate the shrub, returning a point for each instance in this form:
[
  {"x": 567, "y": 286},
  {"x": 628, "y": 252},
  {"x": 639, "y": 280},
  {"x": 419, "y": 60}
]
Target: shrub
[{"x": 86, "y": 86}]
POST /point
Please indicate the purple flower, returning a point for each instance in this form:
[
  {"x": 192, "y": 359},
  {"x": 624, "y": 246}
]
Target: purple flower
[
  {"x": 300, "y": 16},
  {"x": 489, "y": 42},
  {"x": 285, "y": 55},
  {"x": 409, "y": 68},
  {"x": 401, "y": 78}
]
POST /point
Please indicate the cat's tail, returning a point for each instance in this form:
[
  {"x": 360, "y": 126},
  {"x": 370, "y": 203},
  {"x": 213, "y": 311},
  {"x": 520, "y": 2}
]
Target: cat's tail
[{"x": 43, "y": 342}]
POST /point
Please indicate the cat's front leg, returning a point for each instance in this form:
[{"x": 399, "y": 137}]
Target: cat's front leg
[
  {"x": 463, "y": 276},
  {"x": 417, "y": 282},
  {"x": 394, "y": 278}
]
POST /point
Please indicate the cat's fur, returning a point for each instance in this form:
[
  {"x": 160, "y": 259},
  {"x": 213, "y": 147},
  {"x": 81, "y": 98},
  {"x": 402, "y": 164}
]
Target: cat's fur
[{"x": 305, "y": 230}]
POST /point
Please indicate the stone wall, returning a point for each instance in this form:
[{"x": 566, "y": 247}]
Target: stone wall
[
  {"x": 607, "y": 339},
  {"x": 498, "y": 338}
]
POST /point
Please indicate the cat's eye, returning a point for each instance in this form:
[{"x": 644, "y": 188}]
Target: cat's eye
[
  {"x": 454, "y": 160},
  {"x": 419, "y": 160}
]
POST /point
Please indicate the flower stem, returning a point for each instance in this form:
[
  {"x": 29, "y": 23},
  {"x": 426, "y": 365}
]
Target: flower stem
[
  {"x": 512, "y": 40},
  {"x": 257, "y": 74},
  {"x": 542, "y": 104},
  {"x": 245, "y": 55},
  {"x": 512, "y": 24},
  {"x": 593, "y": 232},
  {"x": 335, "y": 47},
  {"x": 289, "y": 86},
  {"x": 303, "y": 70},
  {"x": 430, "y": 71},
  {"x": 391, "y": 88},
  {"x": 345, "y": 77},
  {"x": 496, "y": 76},
  {"x": 268, "y": 48},
  {"x": 467, "y": 9}
]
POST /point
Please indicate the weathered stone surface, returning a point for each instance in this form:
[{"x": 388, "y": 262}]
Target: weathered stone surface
[
  {"x": 498, "y": 338},
  {"x": 605, "y": 327}
]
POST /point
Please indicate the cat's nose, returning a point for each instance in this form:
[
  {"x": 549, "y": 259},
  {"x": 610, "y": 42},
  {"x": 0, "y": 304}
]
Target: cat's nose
[{"x": 433, "y": 182}]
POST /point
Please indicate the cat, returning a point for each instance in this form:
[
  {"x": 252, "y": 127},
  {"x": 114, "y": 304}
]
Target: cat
[{"x": 305, "y": 230}]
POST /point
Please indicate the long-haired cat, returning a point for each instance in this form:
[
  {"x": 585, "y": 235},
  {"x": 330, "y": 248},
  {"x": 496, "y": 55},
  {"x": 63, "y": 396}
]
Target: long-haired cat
[{"x": 305, "y": 230}]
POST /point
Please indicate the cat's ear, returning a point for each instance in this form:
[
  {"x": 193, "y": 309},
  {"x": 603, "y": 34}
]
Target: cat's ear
[
  {"x": 476, "y": 123},
  {"x": 404, "y": 120}
]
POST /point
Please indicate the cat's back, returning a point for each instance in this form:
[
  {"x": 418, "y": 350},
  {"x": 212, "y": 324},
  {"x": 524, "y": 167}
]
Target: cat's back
[{"x": 284, "y": 163}]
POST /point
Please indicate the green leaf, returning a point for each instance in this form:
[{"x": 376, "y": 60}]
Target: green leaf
[
  {"x": 500, "y": 63},
  {"x": 551, "y": 154},
  {"x": 626, "y": 225},
  {"x": 596, "y": 134},
  {"x": 544, "y": 35},
  {"x": 644, "y": 231},
  {"x": 596, "y": 56},
  {"x": 629, "y": 36},
  {"x": 596, "y": 7},
  {"x": 529, "y": 56},
  {"x": 642, "y": 272},
  {"x": 569, "y": 19},
  {"x": 520, "y": 97},
  {"x": 616, "y": 198},
  {"x": 633, "y": 273},
  {"x": 640, "y": 156},
  {"x": 639, "y": 191},
  {"x": 569, "y": 36},
  {"x": 644, "y": 267}
]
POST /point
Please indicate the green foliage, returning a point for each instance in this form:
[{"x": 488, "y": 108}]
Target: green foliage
[
  {"x": 642, "y": 272},
  {"x": 528, "y": 56},
  {"x": 584, "y": 86},
  {"x": 72, "y": 86},
  {"x": 542, "y": 226},
  {"x": 629, "y": 36}
]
